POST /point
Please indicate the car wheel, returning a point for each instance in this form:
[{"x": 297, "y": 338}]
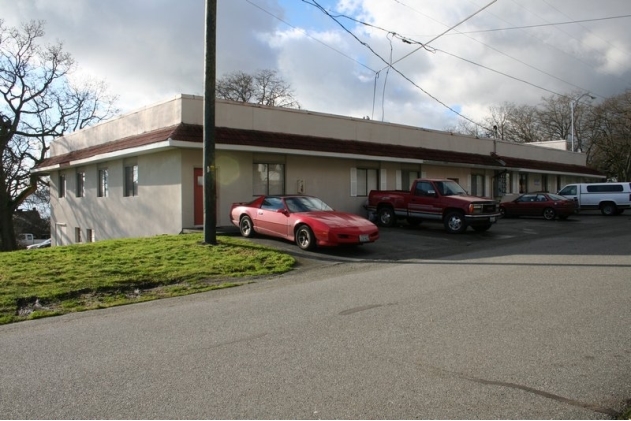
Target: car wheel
[
  {"x": 386, "y": 217},
  {"x": 305, "y": 238},
  {"x": 608, "y": 209},
  {"x": 246, "y": 227},
  {"x": 455, "y": 223},
  {"x": 502, "y": 211},
  {"x": 549, "y": 214}
]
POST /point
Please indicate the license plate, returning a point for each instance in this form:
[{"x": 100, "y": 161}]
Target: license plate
[
  {"x": 364, "y": 238},
  {"x": 492, "y": 219}
]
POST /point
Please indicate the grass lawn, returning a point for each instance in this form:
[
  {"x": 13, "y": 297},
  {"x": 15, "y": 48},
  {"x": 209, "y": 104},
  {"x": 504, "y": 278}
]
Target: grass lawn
[{"x": 58, "y": 280}]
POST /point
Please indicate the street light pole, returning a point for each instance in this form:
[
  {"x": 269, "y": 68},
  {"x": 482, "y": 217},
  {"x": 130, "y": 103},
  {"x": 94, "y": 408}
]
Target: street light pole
[{"x": 572, "y": 105}]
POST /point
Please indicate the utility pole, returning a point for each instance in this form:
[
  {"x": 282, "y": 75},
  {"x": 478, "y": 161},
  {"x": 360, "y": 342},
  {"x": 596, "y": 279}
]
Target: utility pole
[{"x": 210, "y": 172}]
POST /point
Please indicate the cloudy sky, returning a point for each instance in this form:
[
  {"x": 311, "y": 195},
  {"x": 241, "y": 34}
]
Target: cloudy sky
[{"x": 450, "y": 58}]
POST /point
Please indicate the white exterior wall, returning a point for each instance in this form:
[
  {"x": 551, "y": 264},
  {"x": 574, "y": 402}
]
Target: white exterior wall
[{"x": 157, "y": 209}]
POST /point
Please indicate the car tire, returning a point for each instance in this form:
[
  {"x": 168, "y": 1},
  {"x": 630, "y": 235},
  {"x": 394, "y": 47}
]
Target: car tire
[
  {"x": 502, "y": 212},
  {"x": 455, "y": 223},
  {"x": 386, "y": 216},
  {"x": 549, "y": 214},
  {"x": 246, "y": 227},
  {"x": 608, "y": 209},
  {"x": 305, "y": 238}
]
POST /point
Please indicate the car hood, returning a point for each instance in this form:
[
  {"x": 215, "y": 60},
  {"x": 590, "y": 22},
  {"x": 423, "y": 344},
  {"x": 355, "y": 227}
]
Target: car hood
[
  {"x": 338, "y": 219},
  {"x": 469, "y": 199}
]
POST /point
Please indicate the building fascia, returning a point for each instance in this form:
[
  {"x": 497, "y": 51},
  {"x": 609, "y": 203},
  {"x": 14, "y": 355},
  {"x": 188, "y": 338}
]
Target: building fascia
[{"x": 141, "y": 150}]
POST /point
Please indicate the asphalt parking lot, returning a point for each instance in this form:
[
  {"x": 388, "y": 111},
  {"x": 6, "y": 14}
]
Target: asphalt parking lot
[{"x": 430, "y": 241}]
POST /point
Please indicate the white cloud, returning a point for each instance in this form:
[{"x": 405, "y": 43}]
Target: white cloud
[{"x": 150, "y": 50}]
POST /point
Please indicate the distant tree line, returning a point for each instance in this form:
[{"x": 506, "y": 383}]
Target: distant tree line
[{"x": 601, "y": 131}]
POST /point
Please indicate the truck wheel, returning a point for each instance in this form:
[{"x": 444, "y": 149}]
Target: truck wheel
[
  {"x": 386, "y": 217},
  {"x": 549, "y": 214},
  {"x": 455, "y": 223},
  {"x": 608, "y": 209},
  {"x": 246, "y": 227},
  {"x": 305, "y": 238}
]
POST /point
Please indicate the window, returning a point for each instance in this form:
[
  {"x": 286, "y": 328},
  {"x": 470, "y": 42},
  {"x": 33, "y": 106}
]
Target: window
[
  {"x": 77, "y": 235},
  {"x": 89, "y": 235},
  {"x": 523, "y": 183},
  {"x": 367, "y": 180},
  {"x": 407, "y": 179},
  {"x": 272, "y": 204},
  {"x": 477, "y": 185},
  {"x": 423, "y": 188},
  {"x": 62, "y": 184},
  {"x": 268, "y": 179},
  {"x": 80, "y": 183},
  {"x": 604, "y": 188},
  {"x": 131, "y": 180},
  {"x": 544, "y": 182},
  {"x": 103, "y": 188},
  {"x": 569, "y": 191}
]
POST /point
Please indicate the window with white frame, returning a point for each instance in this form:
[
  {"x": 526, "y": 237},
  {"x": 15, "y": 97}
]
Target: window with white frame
[
  {"x": 80, "y": 183},
  {"x": 103, "y": 186},
  {"x": 268, "y": 179},
  {"x": 130, "y": 185},
  {"x": 363, "y": 180},
  {"x": 89, "y": 234},
  {"x": 77, "y": 235},
  {"x": 62, "y": 185},
  {"x": 477, "y": 185}
]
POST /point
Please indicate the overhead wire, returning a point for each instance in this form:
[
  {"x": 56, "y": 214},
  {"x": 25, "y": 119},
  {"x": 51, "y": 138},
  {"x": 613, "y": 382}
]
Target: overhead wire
[
  {"x": 501, "y": 52},
  {"x": 323, "y": 10},
  {"x": 309, "y": 36},
  {"x": 586, "y": 29}
]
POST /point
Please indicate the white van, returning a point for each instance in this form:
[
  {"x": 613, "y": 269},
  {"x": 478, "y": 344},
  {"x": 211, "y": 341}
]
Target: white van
[{"x": 609, "y": 198}]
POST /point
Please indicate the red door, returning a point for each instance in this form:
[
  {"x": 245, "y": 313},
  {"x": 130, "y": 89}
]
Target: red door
[{"x": 198, "y": 192}]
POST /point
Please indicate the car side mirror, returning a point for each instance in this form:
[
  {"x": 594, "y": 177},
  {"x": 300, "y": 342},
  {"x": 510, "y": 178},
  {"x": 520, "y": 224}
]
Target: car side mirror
[{"x": 283, "y": 211}]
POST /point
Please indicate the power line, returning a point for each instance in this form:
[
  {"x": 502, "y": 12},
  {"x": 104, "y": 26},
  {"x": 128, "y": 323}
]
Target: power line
[
  {"x": 317, "y": 5},
  {"x": 309, "y": 36},
  {"x": 573, "y": 22},
  {"x": 501, "y": 52}
]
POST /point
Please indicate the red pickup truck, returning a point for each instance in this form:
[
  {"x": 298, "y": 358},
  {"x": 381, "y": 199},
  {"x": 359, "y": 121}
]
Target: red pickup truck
[{"x": 439, "y": 200}]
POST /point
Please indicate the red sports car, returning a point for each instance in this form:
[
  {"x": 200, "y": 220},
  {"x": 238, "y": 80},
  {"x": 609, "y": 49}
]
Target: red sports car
[
  {"x": 548, "y": 205},
  {"x": 306, "y": 220}
]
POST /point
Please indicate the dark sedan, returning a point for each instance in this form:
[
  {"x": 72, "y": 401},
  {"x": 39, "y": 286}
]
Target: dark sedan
[{"x": 548, "y": 205}]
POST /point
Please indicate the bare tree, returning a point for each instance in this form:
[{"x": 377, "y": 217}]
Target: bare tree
[
  {"x": 264, "y": 87},
  {"x": 610, "y": 146},
  {"x": 515, "y": 123},
  {"x": 39, "y": 103}
]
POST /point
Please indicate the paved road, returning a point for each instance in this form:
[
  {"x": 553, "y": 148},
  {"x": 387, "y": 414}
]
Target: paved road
[{"x": 527, "y": 321}]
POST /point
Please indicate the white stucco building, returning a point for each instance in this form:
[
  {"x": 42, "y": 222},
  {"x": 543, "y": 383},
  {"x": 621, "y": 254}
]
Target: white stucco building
[{"x": 141, "y": 174}]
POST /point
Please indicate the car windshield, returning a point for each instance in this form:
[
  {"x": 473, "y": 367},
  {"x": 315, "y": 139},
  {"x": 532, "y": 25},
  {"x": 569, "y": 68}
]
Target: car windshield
[
  {"x": 306, "y": 204},
  {"x": 449, "y": 188}
]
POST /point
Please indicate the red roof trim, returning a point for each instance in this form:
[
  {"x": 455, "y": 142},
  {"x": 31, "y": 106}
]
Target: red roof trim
[{"x": 228, "y": 136}]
